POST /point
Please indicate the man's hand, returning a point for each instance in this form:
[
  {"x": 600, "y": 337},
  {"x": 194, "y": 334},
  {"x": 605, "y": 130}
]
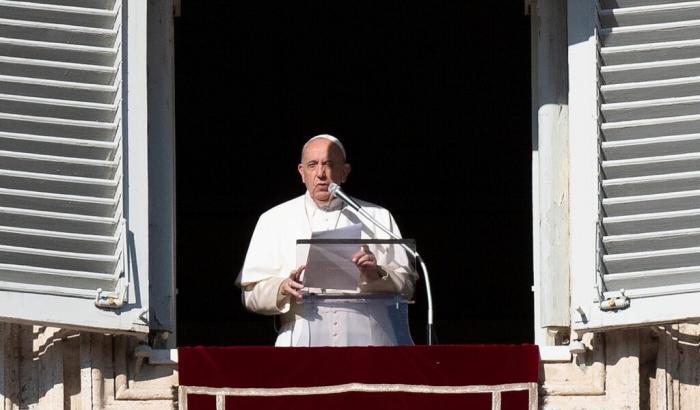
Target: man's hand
[
  {"x": 291, "y": 285},
  {"x": 367, "y": 263}
]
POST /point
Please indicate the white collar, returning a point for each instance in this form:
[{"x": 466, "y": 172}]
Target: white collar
[{"x": 334, "y": 205}]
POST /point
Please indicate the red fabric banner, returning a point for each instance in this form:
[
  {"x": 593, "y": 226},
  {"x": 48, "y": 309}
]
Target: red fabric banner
[{"x": 278, "y": 368}]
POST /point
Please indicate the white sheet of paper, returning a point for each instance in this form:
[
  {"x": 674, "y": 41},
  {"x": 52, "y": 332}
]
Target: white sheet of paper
[{"x": 330, "y": 266}]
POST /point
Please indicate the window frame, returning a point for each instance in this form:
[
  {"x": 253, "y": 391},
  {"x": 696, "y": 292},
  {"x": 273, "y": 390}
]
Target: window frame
[
  {"x": 585, "y": 200},
  {"x": 81, "y": 313}
]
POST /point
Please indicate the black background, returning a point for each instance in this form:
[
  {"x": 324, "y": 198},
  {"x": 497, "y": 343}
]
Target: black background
[{"x": 432, "y": 101}]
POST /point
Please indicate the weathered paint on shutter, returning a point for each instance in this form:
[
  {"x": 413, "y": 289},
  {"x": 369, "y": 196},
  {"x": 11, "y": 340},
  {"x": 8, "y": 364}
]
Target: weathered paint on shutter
[
  {"x": 649, "y": 157},
  {"x": 62, "y": 228}
]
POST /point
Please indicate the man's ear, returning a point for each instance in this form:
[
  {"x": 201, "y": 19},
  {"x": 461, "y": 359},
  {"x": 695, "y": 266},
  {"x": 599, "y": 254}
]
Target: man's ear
[
  {"x": 300, "y": 168},
  {"x": 346, "y": 171}
]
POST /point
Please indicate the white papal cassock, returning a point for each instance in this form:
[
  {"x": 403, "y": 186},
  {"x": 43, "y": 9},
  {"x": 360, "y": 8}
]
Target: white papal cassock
[{"x": 272, "y": 255}]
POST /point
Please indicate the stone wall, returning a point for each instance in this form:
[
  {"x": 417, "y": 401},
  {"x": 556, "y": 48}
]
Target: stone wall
[
  {"x": 51, "y": 368},
  {"x": 654, "y": 368}
]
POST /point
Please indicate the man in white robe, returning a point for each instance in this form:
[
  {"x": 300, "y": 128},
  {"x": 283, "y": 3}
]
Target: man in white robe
[{"x": 270, "y": 278}]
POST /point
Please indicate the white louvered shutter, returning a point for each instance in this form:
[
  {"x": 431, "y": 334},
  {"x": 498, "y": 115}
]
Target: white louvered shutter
[
  {"x": 648, "y": 90},
  {"x": 63, "y": 235}
]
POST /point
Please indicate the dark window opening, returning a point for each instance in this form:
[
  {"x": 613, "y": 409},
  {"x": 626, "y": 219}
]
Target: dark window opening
[{"x": 432, "y": 101}]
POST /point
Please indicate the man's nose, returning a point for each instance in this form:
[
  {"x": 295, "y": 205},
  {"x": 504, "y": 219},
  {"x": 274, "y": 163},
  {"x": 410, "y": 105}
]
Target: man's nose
[{"x": 321, "y": 171}]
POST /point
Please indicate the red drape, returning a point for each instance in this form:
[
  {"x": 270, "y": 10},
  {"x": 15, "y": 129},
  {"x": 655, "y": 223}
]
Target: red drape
[{"x": 269, "y": 367}]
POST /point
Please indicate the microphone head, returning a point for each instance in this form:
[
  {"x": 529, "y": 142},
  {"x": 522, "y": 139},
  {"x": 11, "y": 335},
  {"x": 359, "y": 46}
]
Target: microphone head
[{"x": 333, "y": 188}]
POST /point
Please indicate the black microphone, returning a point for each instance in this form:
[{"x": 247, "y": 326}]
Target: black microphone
[{"x": 335, "y": 190}]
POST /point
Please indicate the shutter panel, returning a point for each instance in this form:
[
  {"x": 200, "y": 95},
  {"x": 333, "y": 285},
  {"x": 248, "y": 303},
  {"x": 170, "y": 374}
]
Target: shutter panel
[
  {"x": 649, "y": 152},
  {"x": 62, "y": 226}
]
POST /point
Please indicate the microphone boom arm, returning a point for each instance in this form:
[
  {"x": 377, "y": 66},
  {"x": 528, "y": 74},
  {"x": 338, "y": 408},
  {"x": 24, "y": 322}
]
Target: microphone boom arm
[{"x": 336, "y": 191}]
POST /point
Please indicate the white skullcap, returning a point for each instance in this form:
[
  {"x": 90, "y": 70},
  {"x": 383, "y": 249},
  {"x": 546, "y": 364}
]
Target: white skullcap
[{"x": 330, "y": 138}]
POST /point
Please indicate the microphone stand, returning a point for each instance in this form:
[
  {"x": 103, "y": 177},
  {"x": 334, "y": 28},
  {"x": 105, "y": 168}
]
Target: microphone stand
[{"x": 335, "y": 190}]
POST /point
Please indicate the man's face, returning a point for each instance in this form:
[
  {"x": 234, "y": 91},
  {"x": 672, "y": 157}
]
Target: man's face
[{"x": 322, "y": 163}]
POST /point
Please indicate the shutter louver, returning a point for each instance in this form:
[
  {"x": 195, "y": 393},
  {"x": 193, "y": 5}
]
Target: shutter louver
[
  {"x": 649, "y": 94},
  {"x": 61, "y": 224}
]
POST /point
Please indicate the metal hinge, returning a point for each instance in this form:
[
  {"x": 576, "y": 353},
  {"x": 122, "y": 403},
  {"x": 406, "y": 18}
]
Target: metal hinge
[
  {"x": 616, "y": 302},
  {"x": 112, "y": 300},
  {"x": 117, "y": 298}
]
